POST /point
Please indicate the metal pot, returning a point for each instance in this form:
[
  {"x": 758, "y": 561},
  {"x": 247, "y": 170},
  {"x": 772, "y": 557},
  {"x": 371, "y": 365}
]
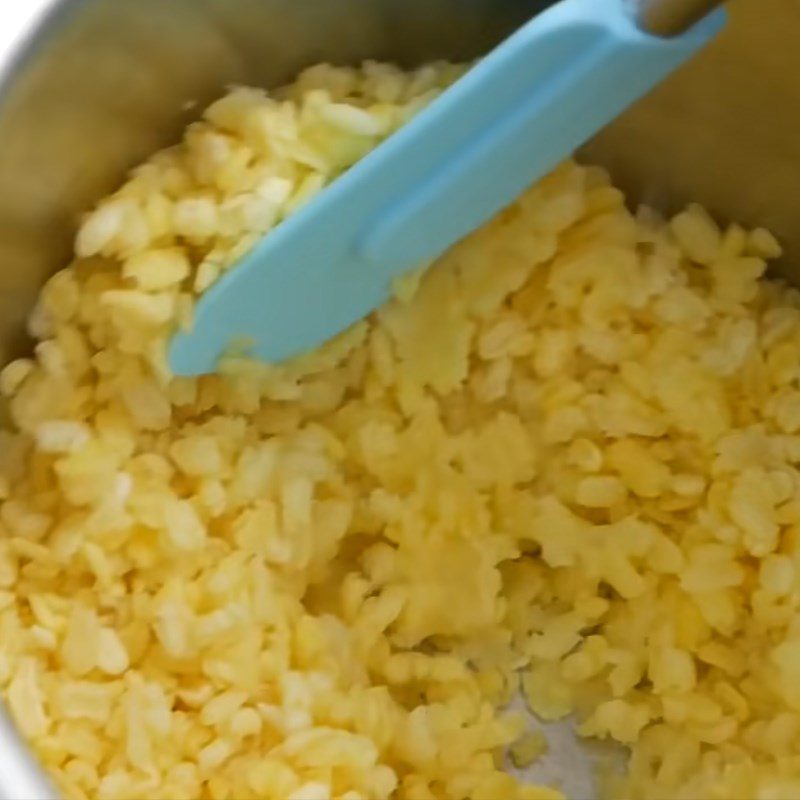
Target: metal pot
[{"x": 89, "y": 87}]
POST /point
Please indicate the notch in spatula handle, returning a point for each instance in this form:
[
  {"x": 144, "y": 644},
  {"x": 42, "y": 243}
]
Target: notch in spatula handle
[{"x": 673, "y": 17}]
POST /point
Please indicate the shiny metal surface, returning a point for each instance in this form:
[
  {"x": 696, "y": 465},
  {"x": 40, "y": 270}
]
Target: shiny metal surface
[
  {"x": 20, "y": 778},
  {"x": 671, "y": 17},
  {"x": 101, "y": 83}
]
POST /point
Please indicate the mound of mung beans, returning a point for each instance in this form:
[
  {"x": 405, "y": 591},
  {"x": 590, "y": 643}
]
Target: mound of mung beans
[{"x": 563, "y": 460}]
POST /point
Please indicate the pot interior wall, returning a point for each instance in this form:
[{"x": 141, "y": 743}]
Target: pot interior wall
[{"x": 108, "y": 81}]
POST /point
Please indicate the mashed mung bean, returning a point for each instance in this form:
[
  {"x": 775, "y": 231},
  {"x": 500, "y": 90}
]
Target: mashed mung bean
[{"x": 564, "y": 460}]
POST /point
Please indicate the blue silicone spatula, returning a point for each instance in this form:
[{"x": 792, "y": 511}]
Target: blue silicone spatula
[{"x": 526, "y": 106}]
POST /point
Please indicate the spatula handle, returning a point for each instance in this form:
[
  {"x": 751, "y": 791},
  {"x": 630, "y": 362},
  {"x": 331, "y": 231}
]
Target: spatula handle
[
  {"x": 673, "y": 17},
  {"x": 544, "y": 92}
]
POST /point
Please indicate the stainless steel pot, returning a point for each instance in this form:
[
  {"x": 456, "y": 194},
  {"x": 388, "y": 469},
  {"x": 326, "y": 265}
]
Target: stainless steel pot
[{"x": 88, "y": 87}]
